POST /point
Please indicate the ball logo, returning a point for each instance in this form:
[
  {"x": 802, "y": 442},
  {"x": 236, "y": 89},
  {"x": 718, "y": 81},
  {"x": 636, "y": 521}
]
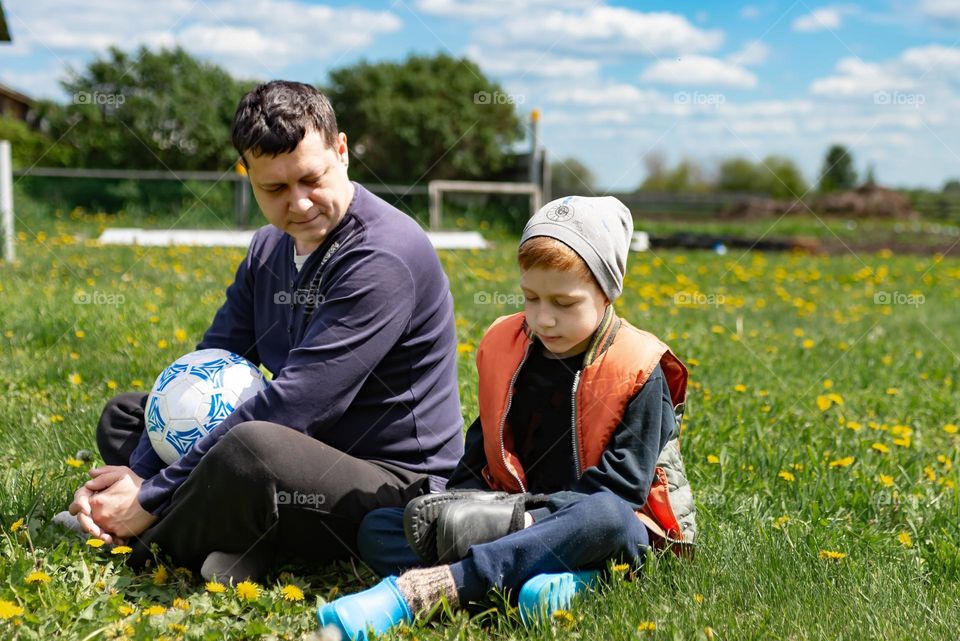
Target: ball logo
[{"x": 560, "y": 213}]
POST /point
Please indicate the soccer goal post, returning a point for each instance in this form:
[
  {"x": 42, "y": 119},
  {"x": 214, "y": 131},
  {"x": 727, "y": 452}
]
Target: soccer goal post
[
  {"x": 6, "y": 200},
  {"x": 436, "y": 189}
]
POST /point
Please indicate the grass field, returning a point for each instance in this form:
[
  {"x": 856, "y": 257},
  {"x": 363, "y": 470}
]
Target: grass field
[{"x": 820, "y": 438}]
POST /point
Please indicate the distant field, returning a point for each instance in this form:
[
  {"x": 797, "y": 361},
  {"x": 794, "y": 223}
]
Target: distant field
[{"x": 821, "y": 441}]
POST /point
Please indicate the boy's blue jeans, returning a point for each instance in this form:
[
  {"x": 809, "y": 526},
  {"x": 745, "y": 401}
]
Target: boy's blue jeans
[{"x": 579, "y": 536}]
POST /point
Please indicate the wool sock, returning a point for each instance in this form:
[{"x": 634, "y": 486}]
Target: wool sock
[{"x": 424, "y": 587}]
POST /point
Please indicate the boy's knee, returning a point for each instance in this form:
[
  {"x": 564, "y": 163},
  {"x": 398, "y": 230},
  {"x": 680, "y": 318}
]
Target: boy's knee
[
  {"x": 373, "y": 527},
  {"x": 239, "y": 453},
  {"x": 612, "y": 519}
]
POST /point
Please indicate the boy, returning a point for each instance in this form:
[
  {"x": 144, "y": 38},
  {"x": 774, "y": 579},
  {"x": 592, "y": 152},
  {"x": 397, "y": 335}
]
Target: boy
[{"x": 577, "y": 435}]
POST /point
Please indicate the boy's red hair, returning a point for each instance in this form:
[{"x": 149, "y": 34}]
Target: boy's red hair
[{"x": 549, "y": 253}]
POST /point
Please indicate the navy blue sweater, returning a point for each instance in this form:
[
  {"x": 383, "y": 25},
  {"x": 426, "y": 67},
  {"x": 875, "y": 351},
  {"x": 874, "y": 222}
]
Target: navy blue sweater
[{"x": 365, "y": 361}]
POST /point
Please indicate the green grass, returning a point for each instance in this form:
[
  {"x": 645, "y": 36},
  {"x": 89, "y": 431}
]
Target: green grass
[{"x": 753, "y": 423}]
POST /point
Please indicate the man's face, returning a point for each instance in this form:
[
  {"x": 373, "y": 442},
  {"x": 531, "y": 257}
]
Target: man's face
[
  {"x": 562, "y": 309},
  {"x": 305, "y": 192}
]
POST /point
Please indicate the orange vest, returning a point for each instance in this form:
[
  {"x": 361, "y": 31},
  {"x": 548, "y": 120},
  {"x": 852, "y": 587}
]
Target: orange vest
[{"x": 616, "y": 365}]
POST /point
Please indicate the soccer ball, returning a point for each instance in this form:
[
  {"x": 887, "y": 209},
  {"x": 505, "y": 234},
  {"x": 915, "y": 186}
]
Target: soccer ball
[{"x": 193, "y": 395}]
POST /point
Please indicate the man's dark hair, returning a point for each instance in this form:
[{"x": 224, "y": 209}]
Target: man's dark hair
[{"x": 275, "y": 116}]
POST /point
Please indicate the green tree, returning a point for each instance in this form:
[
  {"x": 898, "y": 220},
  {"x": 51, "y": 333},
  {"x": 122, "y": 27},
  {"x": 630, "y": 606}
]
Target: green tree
[
  {"x": 148, "y": 110},
  {"x": 571, "y": 177},
  {"x": 838, "y": 171},
  {"x": 424, "y": 118},
  {"x": 30, "y": 147},
  {"x": 687, "y": 176},
  {"x": 781, "y": 178}
]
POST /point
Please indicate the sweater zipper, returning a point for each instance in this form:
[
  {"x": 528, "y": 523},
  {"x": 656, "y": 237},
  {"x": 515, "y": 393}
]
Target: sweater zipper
[
  {"x": 573, "y": 420},
  {"x": 503, "y": 419}
]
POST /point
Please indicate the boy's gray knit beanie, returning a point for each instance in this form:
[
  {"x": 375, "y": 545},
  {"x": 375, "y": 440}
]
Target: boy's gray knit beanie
[{"x": 599, "y": 229}]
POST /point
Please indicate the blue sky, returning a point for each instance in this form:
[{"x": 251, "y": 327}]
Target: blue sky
[{"x": 616, "y": 81}]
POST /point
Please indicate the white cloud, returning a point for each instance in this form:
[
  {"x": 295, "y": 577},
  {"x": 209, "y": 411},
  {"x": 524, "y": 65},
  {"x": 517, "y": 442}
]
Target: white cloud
[
  {"x": 821, "y": 19},
  {"x": 536, "y": 64},
  {"x": 857, "y": 78},
  {"x": 750, "y": 12},
  {"x": 699, "y": 70},
  {"x": 485, "y": 9},
  {"x": 260, "y": 38},
  {"x": 752, "y": 53},
  {"x": 613, "y": 31},
  {"x": 932, "y": 58},
  {"x": 945, "y": 10}
]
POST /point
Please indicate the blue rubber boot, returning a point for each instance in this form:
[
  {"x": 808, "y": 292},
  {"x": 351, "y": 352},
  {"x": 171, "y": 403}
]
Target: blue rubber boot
[
  {"x": 376, "y": 609},
  {"x": 544, "y": 594}
]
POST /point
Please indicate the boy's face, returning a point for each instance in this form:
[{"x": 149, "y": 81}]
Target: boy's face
[
  {"x": 562, "y": 308},
  {"x": 305, "y": 192}
]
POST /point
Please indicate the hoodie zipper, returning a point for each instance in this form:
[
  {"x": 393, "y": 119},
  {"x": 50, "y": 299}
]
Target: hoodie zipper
[
  {"x": 503, "y": 419},
  {"x": 573, "y": 420}
]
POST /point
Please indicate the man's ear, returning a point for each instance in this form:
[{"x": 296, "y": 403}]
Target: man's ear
[{"x": 342, "y": 149}]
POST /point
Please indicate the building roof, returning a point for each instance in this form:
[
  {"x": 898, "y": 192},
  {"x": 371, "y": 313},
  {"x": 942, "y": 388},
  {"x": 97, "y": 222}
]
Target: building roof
[{"x": 15, "y": 95}]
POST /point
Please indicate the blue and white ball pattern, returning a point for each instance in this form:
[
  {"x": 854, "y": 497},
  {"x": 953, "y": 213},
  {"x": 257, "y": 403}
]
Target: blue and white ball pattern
[{"x": 193, "y": 395}]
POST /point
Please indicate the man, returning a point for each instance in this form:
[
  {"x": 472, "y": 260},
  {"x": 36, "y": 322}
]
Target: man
[{"x": 343, "y": 298}]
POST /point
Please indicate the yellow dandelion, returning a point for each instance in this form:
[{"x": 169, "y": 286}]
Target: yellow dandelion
[
  {"x": 162, "y": 343},
  {"x": 880, "y": 447},
  {"x": 713, "y": 459},
  {"x": 181, "y": 604},
  {"x": 892, "y": 391},
  {"x": 885, "y": 480},
  {"x": 291, "y": 593},
  {"x": 621, "y": 567},
  {"x": 716, "y": 329},
  {"x": 740, "y": 387},
  {"x": 111, "y": 385},
  {"x": 9, "y": 609},
  {"x": 787, "y": 476},
  {"x": 160, "y": 575},
  {"x": 646, "y": 626},
  {"x": 80, "y": 333},
  {"x": 37, "y": 577},
  {"x": 56, "y": 418},
  {"x": 215, "y": 587},
  {"x": 905, "y": 540},
  {"x": 95, "y": 543},
  {"x": 708, "y": 632},
  {"x": 798, "y": 332},
  {"x": 562, "y": 616},
  {"x": 464, "y": 348},
  {"x": 180, "y": 336},
  {"x": 943, "y": 460},
  {"x": 121, "y": 549},
  {"x": 855, "y": 426},
  {"x": 823, "y": 403},
  {"x": 125, "y": 609},
  {"x": 247, "y": 590},
  {"x": 830, "y": 554},
  {"x": 178, "y": 627},
  {"x": 950, "y": 428},
  {"x": 836, "y": 399},
  {"x": 16, "y": 525},
  {"x": 846, "y": 461},
  {"x": 154, "y": 610},
  {"x": 74, "y": 462},
  {"x": 75, "y": 379},
  {"x": 827, "y": 384},
  {"x": 781, "y": 521},
  {"x": 808, "y": 343},
  {"x": 929, "y": 473},
  {"x": 698, "y": 598}
]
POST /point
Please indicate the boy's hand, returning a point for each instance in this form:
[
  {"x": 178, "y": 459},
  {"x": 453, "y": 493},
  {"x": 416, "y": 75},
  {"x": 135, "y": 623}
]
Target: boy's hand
[{"x": 113, "y": 505}]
